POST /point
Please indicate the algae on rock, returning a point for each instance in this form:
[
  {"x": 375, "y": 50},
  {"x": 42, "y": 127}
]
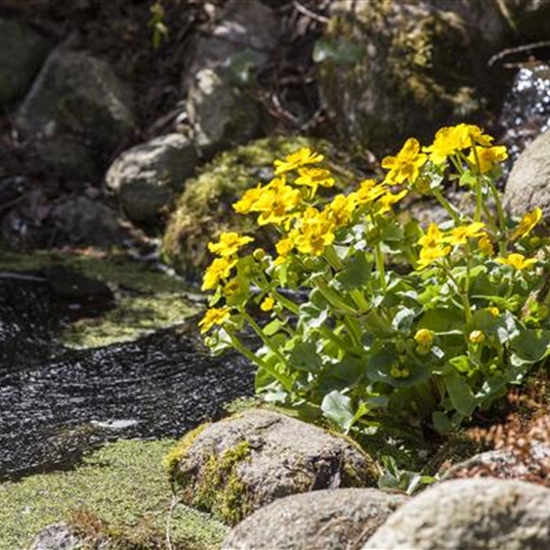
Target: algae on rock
[{"x": 204, "y": 209}]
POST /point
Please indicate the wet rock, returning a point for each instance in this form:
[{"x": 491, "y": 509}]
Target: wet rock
[
  {"x": 240, "y": 28},
  {"x": 528, "y": 184},
  {"x": 77, "y": 96},
  {"x": 470, "y": 513},
  {"x": 22, "y": 51},
  {"x": 236, "y": 466},
  {"x": 57, "y": 537},
  {"x": 391, "y": 70},
  {"x": 146, "y": 176},
  {"x": 221, "y": 114},
  {"x": 204, "y": 208},
  {"x": 329, "y": 519},
  {"x": 84, "y": 221}
]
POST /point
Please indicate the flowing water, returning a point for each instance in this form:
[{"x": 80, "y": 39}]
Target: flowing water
[{"x": 56, "y": 402}]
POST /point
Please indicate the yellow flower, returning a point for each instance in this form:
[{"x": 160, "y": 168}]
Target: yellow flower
[
  {"x": 229, "y": 244},
  {"x": 386, "y": 201},
  {"x": 476, "y": 337},
  {"x": 368, "y": 192},
  {"x": 214, "y": 316},
  {"x": 218, "y": 270},
  {"x": 424, "y": 337},
  {"x": 488, "y": 157},
  {"x": 277, "y": 202},
  {"x": 267, "y": 304},
  {"x": 486, "y": 246},
  {"x": 431, "y": 254},
  {"x": 314, "y": 177},
  {"x": 405, "y": 166},
  {"x": 247, "y": 203},
  {"x": 460, "y": 235},
  {"x": 316, "y": 232},
  {"x": 527, "y": 224},
  {"x": 296, "y": 160},
  {"x": 451, "y": 139},
  {"x": 341, "y": 209},
  {"x": 494, "y": 311},
  {"x": 517, "y": 261},
  {"x": 432, "y": 237}
]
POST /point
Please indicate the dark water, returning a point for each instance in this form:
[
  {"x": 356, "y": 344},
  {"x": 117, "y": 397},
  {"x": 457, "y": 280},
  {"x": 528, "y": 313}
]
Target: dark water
[
  {"x": 55, "y": 402},
  {"x": 526, "y": 111}
]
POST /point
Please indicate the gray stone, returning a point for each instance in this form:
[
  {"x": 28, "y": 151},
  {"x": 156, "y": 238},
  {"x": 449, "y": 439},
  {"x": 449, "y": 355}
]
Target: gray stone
[
  {"x": 487, "y": 513},
  {"x": 69, "y": 159},
  {"x": 330, "y": 519},
  {"x": 237, "y": 465},
  {"x": 77, "y": 95},
  {"x": 57, "y": 537},
  {"x": 22, "y": 51},
  {"x": 384, "y": 67},
  {"x": 240, "y": 26},
  {"x": 146, "y": 176},
  {"x": 87, "y": 222},
  {"x": 528, "y": 184},
  {"x": 220, "y": 113}
]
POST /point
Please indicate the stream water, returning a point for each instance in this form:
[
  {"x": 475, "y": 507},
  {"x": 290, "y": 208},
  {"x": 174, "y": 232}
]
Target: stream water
[{"x": 56, "y": 402}]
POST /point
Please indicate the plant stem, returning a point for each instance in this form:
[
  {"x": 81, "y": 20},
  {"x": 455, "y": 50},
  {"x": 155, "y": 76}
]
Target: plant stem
[{"x": 447, "y": 205}]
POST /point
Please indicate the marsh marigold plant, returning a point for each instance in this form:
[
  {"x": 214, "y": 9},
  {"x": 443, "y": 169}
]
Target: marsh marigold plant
[{"x": 370, "y": 320}]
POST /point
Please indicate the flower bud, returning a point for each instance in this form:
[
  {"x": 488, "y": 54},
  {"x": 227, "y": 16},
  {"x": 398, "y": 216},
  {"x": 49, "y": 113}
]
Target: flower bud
[
  {"x": 476, "y": 337},
  {"x": 258, "y": 254},
  {"x": 424, "y": 337}
]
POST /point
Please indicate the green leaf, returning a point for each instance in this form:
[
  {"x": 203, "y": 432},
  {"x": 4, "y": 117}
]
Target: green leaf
[
  {"x": 337, "y": 408},
  {"x": 339, "y": 51},
  {"x": 461, "y": 395},
  {"x": 531, "y": 345},
  {"x": 241, "y": 65},
  {"x": 304, "y": 357},
  {"x": 356, "y": 273}
]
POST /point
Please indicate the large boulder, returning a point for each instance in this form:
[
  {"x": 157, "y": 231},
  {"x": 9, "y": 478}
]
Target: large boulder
[
  {"x": 391, "y": 70},
  {"x": 236, "y": 466},
  {"x": 77, "y": 97},
  {"x": 220, "y": 113},
  {"x": 470, "y": 513},
  {"x": 204, "y": 209},
  {"x": 329, "y": 519},
  {"x": 22, "y": 51},
  {"x": 146, "y": 177},
  {"x": 240, "y": 32},
  {"x": 528, "y": 184}
]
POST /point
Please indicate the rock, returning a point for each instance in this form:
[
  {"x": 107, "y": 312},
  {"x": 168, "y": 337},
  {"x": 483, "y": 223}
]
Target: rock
[
  {"x": 470, "y": 513},
  {"x": 77, "y": 96},
  {"x": 204, "y": 209},
  {"x": 327, "y": 519},
  {"x": 528, "y": 184},
  {"x": 241, "y": 28},
  {"x": 84, "y": 221},
  {"x": 236, "y": 466},
  {"x": 146, "y": 176},
  {"x": 221, "y": 114},
  {"x": 392, "y": 70},
  {"x": 22, "y": 51},
  {"x": 70, "y": 160},
  {"x": 57, "y": 537}
]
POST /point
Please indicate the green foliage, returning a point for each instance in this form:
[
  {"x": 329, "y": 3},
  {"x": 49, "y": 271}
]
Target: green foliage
[
  {"x": 157, "y": 24},
  {"x": 372, "y": 321}
]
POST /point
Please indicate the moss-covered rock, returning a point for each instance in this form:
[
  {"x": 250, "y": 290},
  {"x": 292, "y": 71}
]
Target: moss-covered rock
[
  {"x": 204, "y": 209},
  {"x": 391, "y": 70},
  {"x": 235, "y": 466}
]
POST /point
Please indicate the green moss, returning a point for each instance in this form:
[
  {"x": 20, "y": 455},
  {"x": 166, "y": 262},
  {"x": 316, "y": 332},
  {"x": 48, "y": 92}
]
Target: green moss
[
  {"x": 220, "y": 488},
  {"x": 179, "y": 452},
  {"x": 204, "y": 209},
  {"x": 123, "y": 485},
  {"x": 132, "y": 317}
]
